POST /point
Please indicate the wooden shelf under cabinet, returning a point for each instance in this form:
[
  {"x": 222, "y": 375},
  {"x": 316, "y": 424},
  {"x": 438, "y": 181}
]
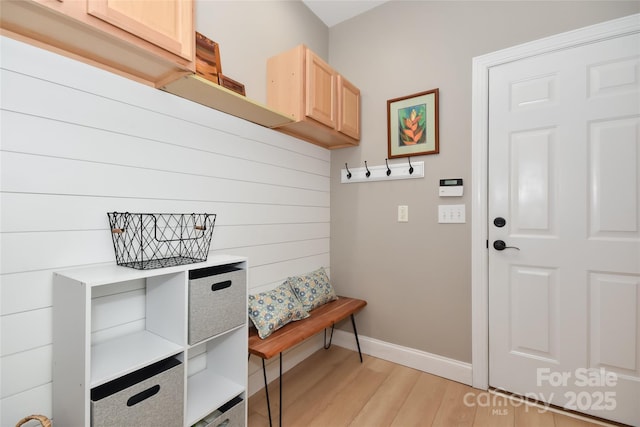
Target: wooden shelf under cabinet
[{"x": 202, "y": 91}]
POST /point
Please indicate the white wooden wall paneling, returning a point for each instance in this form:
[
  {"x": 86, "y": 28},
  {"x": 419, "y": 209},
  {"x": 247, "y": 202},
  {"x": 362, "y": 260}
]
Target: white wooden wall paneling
[
  {"x": 43, "y": 99},
  {"x": 36, "y": 400},
  {"x": 251, "y": 235},
  {"x": 23, "y": 212},
  {"x": 28, "y": 60},
  {"x": 271, "y": 275},
  {"x": 38, "y": 174},
  {"x": 24, "y": 291},
  {"x": 270, "y": 263},
  {"x": 78, "y": 142},
  {"x": 32, "y": 251},
  {"x": 26, "y": 330},
  {"x": 106, "y": 146},
  {"x": 274, "y": 253},
  {"x": 25, "y": 370}
]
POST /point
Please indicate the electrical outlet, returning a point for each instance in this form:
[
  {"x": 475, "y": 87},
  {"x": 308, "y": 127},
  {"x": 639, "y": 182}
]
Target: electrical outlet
[{"x": 403, "y": 213}]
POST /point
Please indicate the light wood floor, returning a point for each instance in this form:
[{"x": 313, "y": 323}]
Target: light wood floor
[{"x": 332, "y": 389}]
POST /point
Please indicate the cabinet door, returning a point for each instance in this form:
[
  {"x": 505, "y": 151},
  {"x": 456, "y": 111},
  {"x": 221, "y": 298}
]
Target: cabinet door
[
  {"x": 165, "y": 23},
  {"x": 320, "y": 90},
  {"x": 348, "y": 108}
]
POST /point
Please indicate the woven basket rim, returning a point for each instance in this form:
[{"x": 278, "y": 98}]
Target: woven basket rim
[{"x": 44, "y": 421}]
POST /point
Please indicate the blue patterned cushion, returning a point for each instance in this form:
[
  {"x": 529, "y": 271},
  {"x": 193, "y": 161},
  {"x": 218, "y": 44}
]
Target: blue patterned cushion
[
  {"x": 313, "y": 289},
  {"x": 270, "y": 311}
]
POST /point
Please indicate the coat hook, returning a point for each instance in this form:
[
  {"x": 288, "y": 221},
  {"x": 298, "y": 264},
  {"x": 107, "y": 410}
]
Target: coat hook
[
  {"x": 348, "y": 171},
  {"x": 410, "y": 167},
  {"x": 388, "y": 170},
  {"x": 368, "y": 174}
]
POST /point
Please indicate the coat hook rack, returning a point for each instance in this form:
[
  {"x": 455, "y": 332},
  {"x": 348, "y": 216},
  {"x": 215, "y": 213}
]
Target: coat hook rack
[{"x": 384, "y": 172}]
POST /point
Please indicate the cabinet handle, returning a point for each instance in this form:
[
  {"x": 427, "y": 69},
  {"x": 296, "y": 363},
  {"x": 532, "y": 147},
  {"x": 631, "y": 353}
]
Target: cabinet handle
[
  {"x": 221, "y": 285},
  {"x": 143, "y": 395}
]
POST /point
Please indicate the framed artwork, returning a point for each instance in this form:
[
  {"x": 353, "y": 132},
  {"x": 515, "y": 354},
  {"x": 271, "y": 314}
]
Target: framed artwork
[
  {"x": 231, "y": 84},
  {"x": 412, "y": 125}
]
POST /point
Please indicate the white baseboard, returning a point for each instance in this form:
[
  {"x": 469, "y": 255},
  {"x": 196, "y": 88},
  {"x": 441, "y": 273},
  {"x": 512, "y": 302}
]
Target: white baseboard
[
  {"x": 427, "y": 362},
  {"x": 421, "y": 360}
]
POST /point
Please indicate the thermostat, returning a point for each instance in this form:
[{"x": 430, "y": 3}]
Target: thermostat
[{"x": 451, "y": 187}]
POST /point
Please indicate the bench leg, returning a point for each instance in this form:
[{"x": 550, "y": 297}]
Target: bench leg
[
  {"x": 326, "y": 347},
  {"x": 266, "y": 389},
  {"x": 355, "y": 332},
  {"x": 280, "y": 415}
]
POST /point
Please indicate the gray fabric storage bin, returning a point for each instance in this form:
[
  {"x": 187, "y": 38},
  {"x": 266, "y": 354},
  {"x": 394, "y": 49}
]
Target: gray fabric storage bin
[
  {"x": 217, "y": 301},
  {"x": 229, "y": 415},
  {"x": 152, "y": 396}
]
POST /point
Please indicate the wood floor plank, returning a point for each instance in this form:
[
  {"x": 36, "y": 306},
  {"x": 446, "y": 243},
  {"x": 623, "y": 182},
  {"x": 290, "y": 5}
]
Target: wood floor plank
[
  {"x": 300, "y": 409},
  {"x": 301, "y": 378},
  {"x": 492, "y": 410},
  {"x": 531, "y": 416},
  {"x": 385, "y": 403},
  {"x": 568, "y": 421},
  {"x": 422, "y": 404},
  {"x": 332, "y": 388},
  {"x": 357, "y": 392},
  {"x": 453, "y": 412}
]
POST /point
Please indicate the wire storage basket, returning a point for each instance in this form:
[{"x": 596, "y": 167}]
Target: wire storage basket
[{"x": 146, "y": 241}]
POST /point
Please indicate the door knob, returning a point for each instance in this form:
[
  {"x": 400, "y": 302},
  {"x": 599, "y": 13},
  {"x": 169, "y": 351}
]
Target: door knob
[
  {"x": 500, "y": 245},
  {"x": 499, "y": 222}
]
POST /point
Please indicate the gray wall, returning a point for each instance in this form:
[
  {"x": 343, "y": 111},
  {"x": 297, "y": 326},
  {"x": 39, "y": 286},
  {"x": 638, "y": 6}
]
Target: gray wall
[
  {"x": 250, "y": 32},
  {"x": 416, "y": 276}
]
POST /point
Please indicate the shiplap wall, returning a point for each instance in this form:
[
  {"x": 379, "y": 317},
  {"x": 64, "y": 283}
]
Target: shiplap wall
[{"x": 77, "y": 142}]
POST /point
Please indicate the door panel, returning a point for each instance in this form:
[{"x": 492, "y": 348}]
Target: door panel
[
  {"x": 532, "y": 159},
  {"x": 534, "y": 324},
  {"x": 564, "y": 296},
  {"x": 615, "y": 333},
  {"x": 614, "y": 156}
]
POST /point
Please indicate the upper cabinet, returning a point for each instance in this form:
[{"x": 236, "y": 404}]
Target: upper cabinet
[
  {"x": 167, "y": 24},
  {"x": 150, "y": 41},
  {"x": 324, "y": 106}
]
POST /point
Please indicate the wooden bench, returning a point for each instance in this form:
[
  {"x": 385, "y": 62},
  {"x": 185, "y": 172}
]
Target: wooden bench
[{"x": 293, "y": 333}]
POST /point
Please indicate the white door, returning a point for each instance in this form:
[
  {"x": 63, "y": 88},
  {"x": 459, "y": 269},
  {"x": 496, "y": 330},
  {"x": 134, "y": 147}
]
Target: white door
[{"x": 564, "y": 295}]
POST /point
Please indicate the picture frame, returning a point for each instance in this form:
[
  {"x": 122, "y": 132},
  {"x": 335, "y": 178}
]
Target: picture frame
[
  {"x": 412, "y": 125},
  {"x": 231, "y": 84}
]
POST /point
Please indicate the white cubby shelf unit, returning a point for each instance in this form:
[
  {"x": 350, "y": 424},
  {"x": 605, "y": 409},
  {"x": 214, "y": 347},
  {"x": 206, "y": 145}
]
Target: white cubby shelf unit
[{"x": 109, "y": 321}]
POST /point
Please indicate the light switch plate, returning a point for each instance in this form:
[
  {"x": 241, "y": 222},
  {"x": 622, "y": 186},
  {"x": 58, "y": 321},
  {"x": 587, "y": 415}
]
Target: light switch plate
[
  {"x": 403, "y": 213},
  {"x": 451, "y": 214}
]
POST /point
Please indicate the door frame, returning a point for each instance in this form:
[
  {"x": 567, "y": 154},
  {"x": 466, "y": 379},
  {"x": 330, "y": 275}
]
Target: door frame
[{"x": 479, "y": 168}]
